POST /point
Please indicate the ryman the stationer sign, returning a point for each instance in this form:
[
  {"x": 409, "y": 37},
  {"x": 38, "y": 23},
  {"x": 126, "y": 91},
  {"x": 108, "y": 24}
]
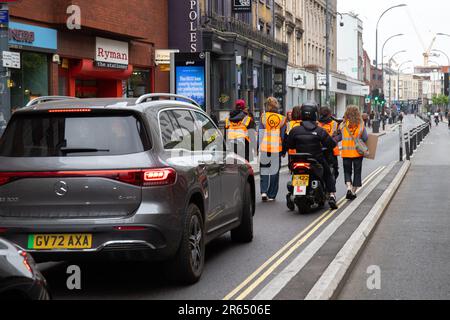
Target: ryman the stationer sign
[
  {"x": 111, "y": 54},
  {"x": 184, "y": 20}
]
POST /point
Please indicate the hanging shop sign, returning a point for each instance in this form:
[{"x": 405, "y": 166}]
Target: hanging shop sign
[
  {"x": 242, "y": 5},
  {"x": 184, "y": 33},
  {"x": 111, "y": 54}
]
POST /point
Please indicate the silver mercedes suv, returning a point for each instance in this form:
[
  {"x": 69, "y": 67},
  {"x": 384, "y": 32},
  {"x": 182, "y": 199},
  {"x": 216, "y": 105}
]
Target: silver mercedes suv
[{"x": 141, "y": 179}]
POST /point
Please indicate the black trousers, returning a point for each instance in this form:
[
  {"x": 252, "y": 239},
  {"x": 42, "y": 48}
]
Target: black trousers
[
  {"x": 353, "y": 171},
  {"x": 242, "y": 148}
]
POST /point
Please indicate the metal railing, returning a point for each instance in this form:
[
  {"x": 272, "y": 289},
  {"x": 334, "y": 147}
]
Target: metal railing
[
  {"x": 412, "y": 139},
  {"x": 230, "y": 24},
  {"x": 43, "y": 99}
]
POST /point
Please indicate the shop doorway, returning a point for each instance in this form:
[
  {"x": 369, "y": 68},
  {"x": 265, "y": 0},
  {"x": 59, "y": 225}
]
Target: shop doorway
[{"x": 97, "y": 88}]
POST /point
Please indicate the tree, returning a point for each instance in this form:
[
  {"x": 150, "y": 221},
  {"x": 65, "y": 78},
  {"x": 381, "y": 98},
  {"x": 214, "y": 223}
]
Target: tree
[{"x": 440, "y": 101}]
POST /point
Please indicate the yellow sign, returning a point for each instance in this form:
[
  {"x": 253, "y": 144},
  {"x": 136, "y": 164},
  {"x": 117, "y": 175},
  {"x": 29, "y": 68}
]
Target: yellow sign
[{"x": 59, "y": 241}]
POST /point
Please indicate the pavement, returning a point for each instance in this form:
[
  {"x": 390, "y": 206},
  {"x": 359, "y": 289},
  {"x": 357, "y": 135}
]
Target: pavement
[
  {"x": 232, "y": 272},
  {"x": 410, "y": 246}
]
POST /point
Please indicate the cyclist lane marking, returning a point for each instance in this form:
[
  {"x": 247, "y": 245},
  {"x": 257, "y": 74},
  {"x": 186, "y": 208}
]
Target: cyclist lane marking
[{"x": 296, "y": 242}]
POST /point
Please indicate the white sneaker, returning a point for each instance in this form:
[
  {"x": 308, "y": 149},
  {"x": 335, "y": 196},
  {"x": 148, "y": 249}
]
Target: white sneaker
[{"x": 264, "y": 197}]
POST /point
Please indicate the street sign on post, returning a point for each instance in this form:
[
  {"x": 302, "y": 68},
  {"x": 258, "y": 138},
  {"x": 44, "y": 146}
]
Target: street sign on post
[
  {"x": 5, "y": 100},
  {"x": 11, "y": 59}
]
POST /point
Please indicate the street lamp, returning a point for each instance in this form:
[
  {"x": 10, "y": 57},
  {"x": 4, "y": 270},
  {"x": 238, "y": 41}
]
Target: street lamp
[
  {"x": 376, "y": 39},
  {"x": 398, "y": 79},
  {"x": 442, "y": 52},
  {"x": 390, "y": 63},
  {"x": 382, "y": 57}
]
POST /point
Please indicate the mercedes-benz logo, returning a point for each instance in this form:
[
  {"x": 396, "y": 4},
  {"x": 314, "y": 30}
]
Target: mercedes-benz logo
[{"x": 61, "y": 188}]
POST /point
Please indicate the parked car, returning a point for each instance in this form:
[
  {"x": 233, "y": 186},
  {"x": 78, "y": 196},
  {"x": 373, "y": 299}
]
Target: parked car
[
  {"x": 19, "y": 276},
  {"x": 141, "y": 179}
]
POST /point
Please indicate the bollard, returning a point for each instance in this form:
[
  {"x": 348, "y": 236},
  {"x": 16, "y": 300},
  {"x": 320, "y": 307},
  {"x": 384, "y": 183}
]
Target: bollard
[
  {"x": 400, "y": 130},
  {"x": 407, "y": 148}
]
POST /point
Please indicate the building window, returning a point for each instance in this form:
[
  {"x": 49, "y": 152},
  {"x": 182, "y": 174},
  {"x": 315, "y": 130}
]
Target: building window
[
  {"x": 139, "y": 83},
  {"x": 31, "y": 81}
]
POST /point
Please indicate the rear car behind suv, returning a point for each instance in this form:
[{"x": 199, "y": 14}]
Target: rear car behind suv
[{"x": 145, "y": 179}]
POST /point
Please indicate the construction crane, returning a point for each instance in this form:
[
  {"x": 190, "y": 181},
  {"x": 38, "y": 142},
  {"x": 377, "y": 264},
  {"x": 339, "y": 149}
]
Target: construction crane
[{"x": 427, "y": 54}]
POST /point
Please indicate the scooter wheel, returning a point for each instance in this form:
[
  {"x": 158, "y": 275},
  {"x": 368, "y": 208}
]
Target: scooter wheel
[{"x": 290, "y": 203}]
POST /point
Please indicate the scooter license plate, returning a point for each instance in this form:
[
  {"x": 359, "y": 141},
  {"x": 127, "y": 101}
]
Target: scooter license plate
[
  {"x": 300, "y": 183},
  {"x": 300, "y": 180}
]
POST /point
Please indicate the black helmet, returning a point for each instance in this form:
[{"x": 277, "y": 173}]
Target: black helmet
[{"x": 309, "y": 111}]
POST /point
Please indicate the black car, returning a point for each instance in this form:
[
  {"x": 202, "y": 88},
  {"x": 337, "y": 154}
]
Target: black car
[{"x": 19, "y": 277}]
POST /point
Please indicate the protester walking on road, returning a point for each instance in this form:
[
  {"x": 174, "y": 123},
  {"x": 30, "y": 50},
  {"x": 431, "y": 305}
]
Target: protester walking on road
[
  {"x": 295, "y": 121},
  {"x": 271, "y": 135},
  {"x": 239, "y": 127},
  {"x": 353, "y": 135},
  {"x": 331, "y": 126}
]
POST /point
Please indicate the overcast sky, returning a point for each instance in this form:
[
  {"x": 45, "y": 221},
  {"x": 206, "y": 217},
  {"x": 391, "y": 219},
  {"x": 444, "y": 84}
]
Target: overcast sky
[{"x": 425, "y": 18}]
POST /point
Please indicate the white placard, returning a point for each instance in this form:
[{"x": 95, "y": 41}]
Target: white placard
[
  {"x": 111, "y": 51},
  {"x": 11, "y": 59},
  {"x": 162, "y": 56}
]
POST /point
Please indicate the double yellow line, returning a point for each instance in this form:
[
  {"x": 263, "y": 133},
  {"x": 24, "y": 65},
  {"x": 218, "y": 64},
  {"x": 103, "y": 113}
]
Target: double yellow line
[{"x": 243, "y": 290}]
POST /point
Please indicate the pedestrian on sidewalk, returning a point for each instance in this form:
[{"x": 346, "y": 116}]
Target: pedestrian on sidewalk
[
  {"x": 239, "y": 127},
  {"x": 271, "y": 135},
  {"x": 371, "y": 118},
  {"x": 365, "y": 117},
  {"x": 448, "y": 119},
  {"x": 352, "y": 133}
]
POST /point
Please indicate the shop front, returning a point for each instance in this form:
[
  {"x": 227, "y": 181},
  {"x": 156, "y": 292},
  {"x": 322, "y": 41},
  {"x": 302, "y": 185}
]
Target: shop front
[
  {"x": 300, "y": 87},
  {"x": 36, "y": 46},
  {"x": 107, "y": 75},
  {"x": 348, "y": 92},
  {"x": 242, "y": 69}
]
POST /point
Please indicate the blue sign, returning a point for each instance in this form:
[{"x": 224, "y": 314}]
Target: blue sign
[
  {"x": 25, "y": 35},
  {"x": 4, "y": 16},
  {"x": 190, "y": 82}
]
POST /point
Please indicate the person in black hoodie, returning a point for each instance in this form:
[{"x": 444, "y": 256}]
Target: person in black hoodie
[
  {"x": 240, "y": 130},
  {"x": 310, "y": 138}
]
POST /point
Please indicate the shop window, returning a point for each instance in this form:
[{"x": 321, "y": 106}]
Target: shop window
[
  {"x": 221, "y": 78},
  {"x": 31, "y": 81},
  {"x": 139, "y": 83}
]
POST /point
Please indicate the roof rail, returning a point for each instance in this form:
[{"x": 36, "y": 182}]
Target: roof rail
[
  {"x": 43, "y": 99},
  {"x": 171, "y": 96}
]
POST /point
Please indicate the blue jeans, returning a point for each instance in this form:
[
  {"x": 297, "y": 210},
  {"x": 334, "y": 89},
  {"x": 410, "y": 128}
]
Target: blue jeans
[{"x": 270, "y": 174}]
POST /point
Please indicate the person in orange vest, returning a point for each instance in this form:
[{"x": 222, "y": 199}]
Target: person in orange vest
[
  {"x": 270, "y": 140},
  {"x": 295, "y": 121},
  {"x": 331, "y": 126},
  {"x": 352, "y": 128},
  {"x": 312, "y": 139},
  {"x": 238, "y": 130}
]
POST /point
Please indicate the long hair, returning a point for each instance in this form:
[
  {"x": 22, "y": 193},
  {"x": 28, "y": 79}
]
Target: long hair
[
  {"x": 353, "y": 116},
  {"x": 272, "y": 104},
  {"x": 297, "y": 113}
]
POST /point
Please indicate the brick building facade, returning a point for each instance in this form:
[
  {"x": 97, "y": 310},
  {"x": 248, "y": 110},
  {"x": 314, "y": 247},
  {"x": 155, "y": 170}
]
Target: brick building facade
[{"x": 60, "y": 61}]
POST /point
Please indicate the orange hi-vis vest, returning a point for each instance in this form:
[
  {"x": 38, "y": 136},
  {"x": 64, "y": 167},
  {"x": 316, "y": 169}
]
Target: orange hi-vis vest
[
  {"x": 273, "y": 123},
  {"x": 292, "y": 124},
  {"x": 238, "y": 130},
  {"x": 331, "y": 128},
  {"x": 348, "y": 143}
]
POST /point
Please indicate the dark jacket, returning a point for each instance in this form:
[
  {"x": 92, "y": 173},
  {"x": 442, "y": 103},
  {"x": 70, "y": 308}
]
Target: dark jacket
[
  {"x": 310, "y": 138},
  {"x": 237, "y": 116}
]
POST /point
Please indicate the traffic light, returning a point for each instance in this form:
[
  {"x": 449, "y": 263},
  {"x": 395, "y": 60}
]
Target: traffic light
[{"x": 382, "y": 100}]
